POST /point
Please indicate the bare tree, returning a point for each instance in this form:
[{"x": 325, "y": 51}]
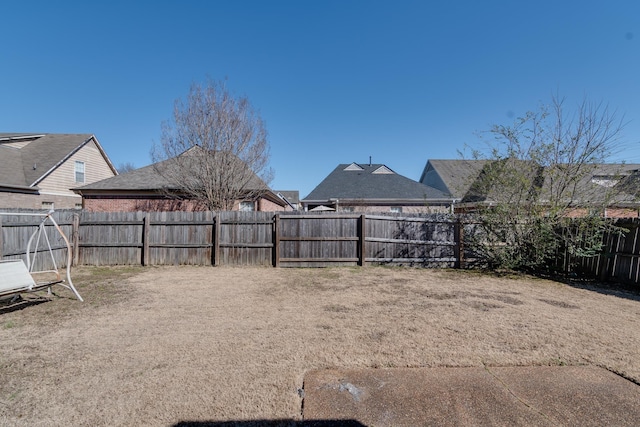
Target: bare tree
[
  {"x": 540, "y": 172},
  {"x": 126, "y": 167},
  {"x": 215, "y": 149}
]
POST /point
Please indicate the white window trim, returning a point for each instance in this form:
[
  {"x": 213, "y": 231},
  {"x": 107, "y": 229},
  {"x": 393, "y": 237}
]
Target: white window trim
[
  {"x": 246, "y": 203},
  {"x": 76, "y": 171}
]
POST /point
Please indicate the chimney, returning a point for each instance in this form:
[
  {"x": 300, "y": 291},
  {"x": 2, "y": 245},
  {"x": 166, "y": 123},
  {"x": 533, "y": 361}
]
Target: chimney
[{"x": 369, "y": 160}]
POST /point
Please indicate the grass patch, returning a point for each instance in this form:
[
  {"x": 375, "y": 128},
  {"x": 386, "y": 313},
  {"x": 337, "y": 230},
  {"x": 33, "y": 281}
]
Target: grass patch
[
  {"x": 9, "y": 324},
  {"x": 560, "y": 304}
]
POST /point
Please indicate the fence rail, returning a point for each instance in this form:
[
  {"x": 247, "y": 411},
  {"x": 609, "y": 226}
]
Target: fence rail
[
  {"x": 245, "y": 238},
  {"x": 281, "y": 240},
  {"x": 620, "y": 259}
]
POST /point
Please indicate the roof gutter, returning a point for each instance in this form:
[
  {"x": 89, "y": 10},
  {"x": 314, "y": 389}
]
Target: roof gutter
[
  {"x": 19, "y": 189},
  {"x": 286, "y": 200}
]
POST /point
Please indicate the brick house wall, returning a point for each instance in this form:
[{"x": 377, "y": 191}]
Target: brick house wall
[
  {"x": 265, "y": 205},
  {"x": 39, "y": 201},
  {"x": 126, "y": 204},
  {"x": 621, "y": 213},
  {"x": 422, "y": 209},
  {"x": 134, "y": 204}
]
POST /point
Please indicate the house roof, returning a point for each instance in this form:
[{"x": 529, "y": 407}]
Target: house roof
[
  {"x": 600, "y": 182},
  {"x": 145, "y": 178},
  {"x": 613, "y": 183},
  {"x": 26, "y": 159},
  {"x": 454, "y": 177},
  {"x": 293, "y": 196},
  {"x": 150, "y": 179},
  {"x": 377, "y": 182}
]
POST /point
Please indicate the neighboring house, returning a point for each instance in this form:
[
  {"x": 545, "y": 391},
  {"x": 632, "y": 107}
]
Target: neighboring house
[
  {"x": 146, "y": 189},
  {"x": 615, "y": 185},
  {"x": 453, "y": 177},
  {"x": 374, "y": 188},
  {"x": 37, "y": 171},
  {"x": 292, "y": 197}
]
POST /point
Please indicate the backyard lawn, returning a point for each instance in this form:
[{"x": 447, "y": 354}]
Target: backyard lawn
[{"x": 161, "y": 346}]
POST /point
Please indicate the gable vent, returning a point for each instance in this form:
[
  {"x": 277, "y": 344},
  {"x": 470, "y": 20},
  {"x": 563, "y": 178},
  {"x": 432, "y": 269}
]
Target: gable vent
[
  {"x": 383, "y": 170},
  {"x": 353, "y": 167}
]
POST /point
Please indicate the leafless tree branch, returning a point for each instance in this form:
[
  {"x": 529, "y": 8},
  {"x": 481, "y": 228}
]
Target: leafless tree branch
[{"x": 214, "y": 149}]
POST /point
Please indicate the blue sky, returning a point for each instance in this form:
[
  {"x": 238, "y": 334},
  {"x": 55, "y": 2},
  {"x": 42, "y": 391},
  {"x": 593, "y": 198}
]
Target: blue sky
[{"x": 335, "y": 81}]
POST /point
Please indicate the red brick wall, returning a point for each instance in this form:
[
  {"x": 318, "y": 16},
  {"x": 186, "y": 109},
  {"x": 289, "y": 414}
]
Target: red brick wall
[
  {"x": 133, "y": 205},
  {"x": 387, "y": 208},
  {"x": 121, "y": 204},
  {"x": 621, "y": 213},
  {"x": 265, "y": 205},
  {"x": 34, "y": 201}
]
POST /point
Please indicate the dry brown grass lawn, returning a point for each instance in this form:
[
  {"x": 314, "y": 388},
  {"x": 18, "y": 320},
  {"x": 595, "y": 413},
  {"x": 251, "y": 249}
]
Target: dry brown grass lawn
[{"x": 158, "y": 346}]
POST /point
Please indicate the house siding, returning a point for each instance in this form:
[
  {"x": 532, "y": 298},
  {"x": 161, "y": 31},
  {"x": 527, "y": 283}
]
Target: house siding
[
  {"x": 433, "y": 179},
  {"x": 62, "y": 179}
]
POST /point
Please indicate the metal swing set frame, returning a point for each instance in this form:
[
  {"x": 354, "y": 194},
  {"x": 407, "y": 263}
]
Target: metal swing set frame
[{"x": 18, "y": 276}]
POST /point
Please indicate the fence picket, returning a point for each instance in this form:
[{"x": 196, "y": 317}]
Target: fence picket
[{"x": 285, "y": 239}]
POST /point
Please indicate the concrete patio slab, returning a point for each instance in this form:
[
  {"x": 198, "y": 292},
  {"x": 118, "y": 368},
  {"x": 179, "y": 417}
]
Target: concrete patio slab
[{"x": 525, "y": 396}]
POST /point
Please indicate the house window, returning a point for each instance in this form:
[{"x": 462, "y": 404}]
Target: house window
[
  {"x": 247, "y": 206},
  {"x": 78, "y": 205},
  {"x": 47, "y": 205},
  {"x": 348, "y": 209},
  {"x": 396, "y": 209},
  {"x": 79, "y": 169}
]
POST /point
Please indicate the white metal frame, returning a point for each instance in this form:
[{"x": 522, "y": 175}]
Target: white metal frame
[{"x": 31, "y": 256}]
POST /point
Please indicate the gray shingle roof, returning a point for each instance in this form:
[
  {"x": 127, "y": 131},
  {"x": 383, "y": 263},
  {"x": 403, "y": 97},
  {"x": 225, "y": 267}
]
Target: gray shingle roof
[
  {"x": 363, "y": 184},
  {"x": 149, "y": 179},
  {"x": 145, "y": 178},
  {"x": 11, "y": 169},
  {"x": 27, "y": 165},
  {"x": 464, "y": 180},
  {"x": 293, "y": 196},
  {"x": 452, "y": 176}
]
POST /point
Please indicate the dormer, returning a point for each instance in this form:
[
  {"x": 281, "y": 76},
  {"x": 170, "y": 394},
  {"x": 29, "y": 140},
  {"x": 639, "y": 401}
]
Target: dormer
[
  {"x": 383, "y": 170},
  {"x": 354, "y": 167}
]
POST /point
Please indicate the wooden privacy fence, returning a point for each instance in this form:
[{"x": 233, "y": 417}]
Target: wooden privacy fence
[
  {"x": 15, "y": 232},
  {"x": 281, "y": 240},
  {"x": 248, "y": 238},
  {"x": 620, "y": 259}
]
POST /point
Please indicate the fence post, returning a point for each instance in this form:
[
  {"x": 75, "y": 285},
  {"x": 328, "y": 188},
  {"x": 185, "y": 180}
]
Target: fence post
[
  {"x": 613, "y": 272},
  {"x": 276, "y": 240},
  {"x": 361, "y": 241},
  {"x": 75, "y": 238},
  {"x": 1, "y": 240},
  {"x": 216, "y": 240},
  {"x": 458, "y": 236},
  {"x": 212, "y": 256},
  {"x": 145, "y": 239}
]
